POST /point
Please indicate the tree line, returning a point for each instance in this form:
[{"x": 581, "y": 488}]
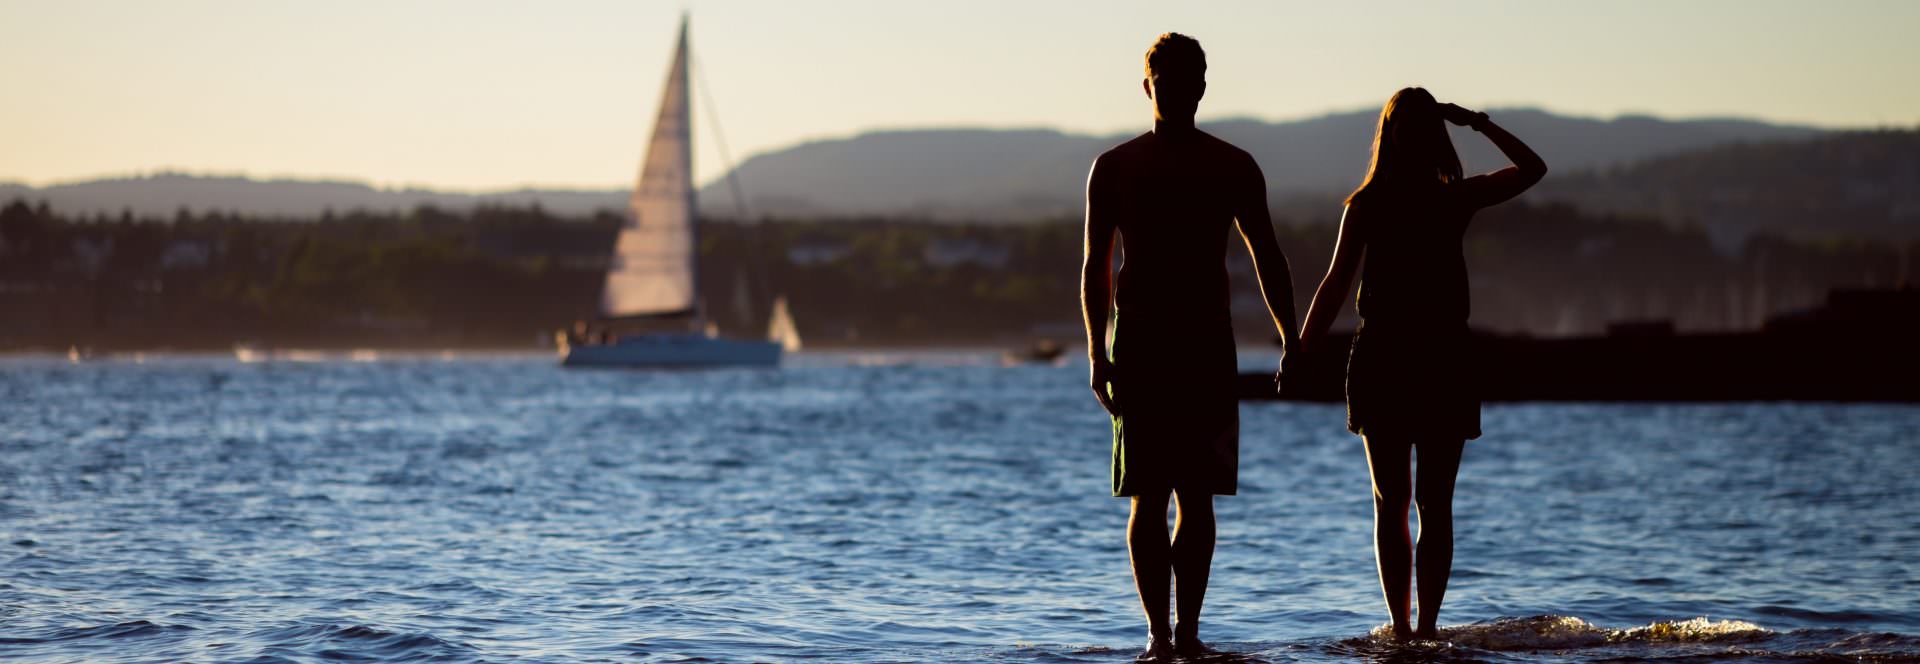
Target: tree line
[{"x": 506, "y": 277}]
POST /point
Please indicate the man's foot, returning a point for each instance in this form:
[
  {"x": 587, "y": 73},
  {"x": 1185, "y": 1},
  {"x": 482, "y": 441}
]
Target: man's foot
[
  {"x": 1158, "y": 650},
  {"x": 1427, "y": 633}
]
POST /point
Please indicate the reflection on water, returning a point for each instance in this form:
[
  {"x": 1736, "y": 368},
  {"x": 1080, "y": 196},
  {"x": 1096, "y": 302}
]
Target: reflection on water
[{"x": 887, "y": 506}]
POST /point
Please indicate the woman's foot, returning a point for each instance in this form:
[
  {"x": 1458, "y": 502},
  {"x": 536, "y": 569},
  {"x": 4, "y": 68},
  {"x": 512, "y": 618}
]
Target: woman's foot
[
  {"x": 1427, "y": 633},
  {"x": 1190, "y": 647},
  {"x": 1160, "y": 649},
  {"x": 1186, "y": 641},
  {"x": 1402, "y": 632}
]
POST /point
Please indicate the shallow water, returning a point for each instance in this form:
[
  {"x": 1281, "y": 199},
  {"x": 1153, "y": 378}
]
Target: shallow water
[{"x": 888, "y": 508}]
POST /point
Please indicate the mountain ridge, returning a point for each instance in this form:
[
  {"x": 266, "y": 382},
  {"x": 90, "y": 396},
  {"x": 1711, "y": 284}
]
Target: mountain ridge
[{"x": 1311, "y": 156}]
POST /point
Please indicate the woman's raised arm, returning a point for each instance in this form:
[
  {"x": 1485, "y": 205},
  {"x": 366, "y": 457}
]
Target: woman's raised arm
[{"x": 1501, "y": 185}]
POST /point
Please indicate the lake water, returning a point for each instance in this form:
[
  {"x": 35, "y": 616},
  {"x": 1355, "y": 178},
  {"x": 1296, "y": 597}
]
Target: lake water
[{"x": 903, "y": 507}]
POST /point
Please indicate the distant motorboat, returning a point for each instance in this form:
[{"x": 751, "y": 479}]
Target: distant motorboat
[
  {"x": 1043, "y": 351},
  {"x": 652, "y": 282}
]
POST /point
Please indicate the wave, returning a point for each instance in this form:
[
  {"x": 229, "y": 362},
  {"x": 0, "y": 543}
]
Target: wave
[
  {"x": 354, "y": 641},
  {"x": 1692, "y": 638},
  {"x": 122, "y": 630},
  {"x": 1560, "y": 632}
]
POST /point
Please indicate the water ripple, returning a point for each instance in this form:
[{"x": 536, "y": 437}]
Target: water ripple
[{"x": 928, "y": 508}]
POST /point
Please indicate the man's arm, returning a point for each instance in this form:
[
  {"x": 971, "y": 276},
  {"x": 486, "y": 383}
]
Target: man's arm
[
  {"x": 1269, "y": 263},
  {"x": 1096, "y": 282}
]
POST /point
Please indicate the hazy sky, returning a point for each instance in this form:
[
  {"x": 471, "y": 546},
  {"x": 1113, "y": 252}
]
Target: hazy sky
[{"x": 486, "y": 95}]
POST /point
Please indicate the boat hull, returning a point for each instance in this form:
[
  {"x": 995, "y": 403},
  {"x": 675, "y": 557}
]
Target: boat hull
[{"x": 674, "y": 351}]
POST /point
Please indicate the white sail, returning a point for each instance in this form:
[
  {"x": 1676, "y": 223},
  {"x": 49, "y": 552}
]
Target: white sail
[
  {"x": 780, "y": 329},
  {"x": 653, "y": 265}
]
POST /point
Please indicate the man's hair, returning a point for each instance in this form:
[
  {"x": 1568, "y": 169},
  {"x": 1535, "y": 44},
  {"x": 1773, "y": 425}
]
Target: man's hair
[{"x": 1177, "y": 54}]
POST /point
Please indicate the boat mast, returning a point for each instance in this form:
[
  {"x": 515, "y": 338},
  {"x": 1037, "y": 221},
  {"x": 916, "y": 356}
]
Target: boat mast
[{"x": 682, "y": 60}]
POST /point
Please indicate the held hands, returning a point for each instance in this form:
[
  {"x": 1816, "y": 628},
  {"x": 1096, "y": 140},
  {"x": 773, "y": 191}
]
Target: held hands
[
  {"x": 1460, "y": 116},
  {"x": 1290, "y": 370},
  {"x": 1100, "y": 378}
]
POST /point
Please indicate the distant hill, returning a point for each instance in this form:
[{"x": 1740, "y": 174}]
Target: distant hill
[
  {"x": 1014, "y": 174},
  {"x": 941, "y": 173},
  {"x": 163, "y": 193},
  {"x": 1848, "y": 184}
]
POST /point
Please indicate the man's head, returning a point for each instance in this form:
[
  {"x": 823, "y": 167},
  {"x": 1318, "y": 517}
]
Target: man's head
[{"x": 1176, "y": 76}]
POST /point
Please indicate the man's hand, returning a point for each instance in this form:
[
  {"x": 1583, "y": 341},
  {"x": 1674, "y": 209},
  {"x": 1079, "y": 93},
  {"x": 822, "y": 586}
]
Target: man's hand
[{"x": 1100, "y": 378}]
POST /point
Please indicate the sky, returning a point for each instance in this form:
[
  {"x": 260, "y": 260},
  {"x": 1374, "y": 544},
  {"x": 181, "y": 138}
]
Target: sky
[{"x": 483, "y": 95}]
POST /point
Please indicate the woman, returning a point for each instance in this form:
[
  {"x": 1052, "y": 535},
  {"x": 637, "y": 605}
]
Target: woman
[{"x": 1410, "y": 374}]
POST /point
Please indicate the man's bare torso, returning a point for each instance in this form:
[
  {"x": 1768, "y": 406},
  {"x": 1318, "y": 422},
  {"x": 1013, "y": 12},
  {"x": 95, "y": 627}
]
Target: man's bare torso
[{"x": 1174, "y": 200}]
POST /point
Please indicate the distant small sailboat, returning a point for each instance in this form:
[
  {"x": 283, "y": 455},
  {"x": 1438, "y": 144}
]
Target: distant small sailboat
[
  {"x": 780, "y": 328},
  {"x": 652, "y": 283}
]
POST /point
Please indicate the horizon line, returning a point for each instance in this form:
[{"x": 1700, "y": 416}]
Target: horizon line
[{"x": 529, "y": 186}]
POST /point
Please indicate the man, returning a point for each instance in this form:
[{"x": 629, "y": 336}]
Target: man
[{"x": 1165, "y": 371}]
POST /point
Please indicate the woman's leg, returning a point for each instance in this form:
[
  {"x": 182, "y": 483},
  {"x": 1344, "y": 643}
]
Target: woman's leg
[
  {"x": 1387, "y": 462},
  {"x": 1433, "y": 498}
]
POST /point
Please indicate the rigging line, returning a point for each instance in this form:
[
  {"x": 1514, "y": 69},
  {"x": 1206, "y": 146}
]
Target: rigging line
[
  {"x": 756, "y": 275},
  {"x": 720, "y": 138}
]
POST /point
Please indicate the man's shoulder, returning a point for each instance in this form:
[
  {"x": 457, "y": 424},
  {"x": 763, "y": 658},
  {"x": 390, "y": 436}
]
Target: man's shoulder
[
  {"x": 1228, "y": 152},
  {"x": 1128, "y": 151},
  {"x": 1123, "y": 158}
]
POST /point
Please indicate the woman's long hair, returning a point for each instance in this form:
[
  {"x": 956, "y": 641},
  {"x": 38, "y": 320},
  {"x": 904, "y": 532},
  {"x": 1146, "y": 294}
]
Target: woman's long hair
[{"x": 1410, "y": 145}]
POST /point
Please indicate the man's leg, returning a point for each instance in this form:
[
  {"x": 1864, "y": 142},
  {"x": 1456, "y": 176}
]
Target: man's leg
[
  {"x": 1148, "y": 549},
  {"x": 1433, "y": 498},
  {"x": 1192, "y": 560},
  {"x": 1387, "y": 461}
]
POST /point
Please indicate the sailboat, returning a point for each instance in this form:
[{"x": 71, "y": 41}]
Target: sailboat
[
  {"x": 652, "y": 282},
  {"x": 780, "y": 329}
]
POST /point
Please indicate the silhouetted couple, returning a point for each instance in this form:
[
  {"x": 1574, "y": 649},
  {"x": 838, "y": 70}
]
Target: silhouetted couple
[{"x": 1160, "y": 342}]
